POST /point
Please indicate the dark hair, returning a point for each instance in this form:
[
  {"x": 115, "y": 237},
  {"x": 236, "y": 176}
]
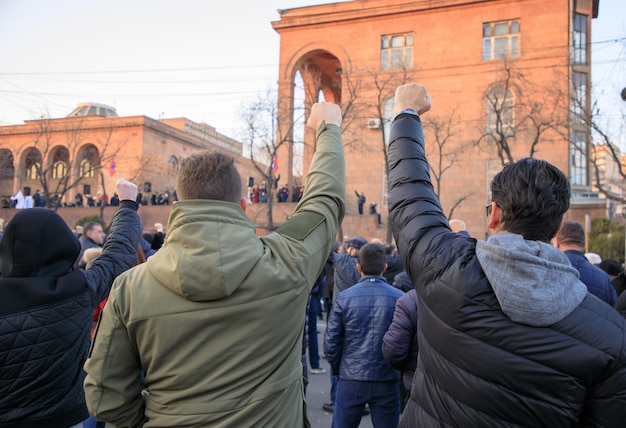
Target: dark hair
[
  {"x": 572, "y": 233},
  {"x": 372, "y": 259},
  {"x": 89, "y": 226},
  {"x": 209, "y": 175},
  {"x": 610, "y": 266},
  {"x": 533, "y": 196}
]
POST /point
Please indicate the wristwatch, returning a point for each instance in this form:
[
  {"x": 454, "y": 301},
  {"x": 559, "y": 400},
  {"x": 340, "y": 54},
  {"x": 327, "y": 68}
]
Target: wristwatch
[{"x": 408, "y": 111}]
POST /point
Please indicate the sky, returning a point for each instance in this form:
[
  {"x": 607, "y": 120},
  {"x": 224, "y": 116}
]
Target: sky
[{"x": 199, "y": 59}]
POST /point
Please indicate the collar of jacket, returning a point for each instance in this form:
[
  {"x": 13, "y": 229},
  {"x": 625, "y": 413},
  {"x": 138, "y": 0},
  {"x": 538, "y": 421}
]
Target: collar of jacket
[{"x": 372, "y": 278}]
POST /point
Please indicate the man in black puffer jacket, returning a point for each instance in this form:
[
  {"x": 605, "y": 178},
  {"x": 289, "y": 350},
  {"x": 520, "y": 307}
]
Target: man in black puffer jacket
[
  {"x": 46, "y": 310},
  {"x": 508, "y": 335}
]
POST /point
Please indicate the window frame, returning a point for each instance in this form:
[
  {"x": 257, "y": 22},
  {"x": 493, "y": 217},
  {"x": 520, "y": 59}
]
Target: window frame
[
  {"x": 512, "y": 37},
  {"x": 503, "y": 100},
  {"x": 90, "y": 173},
  {"x": 387, "y": 51},
  {"x": 578, "y": 174},
  {"x": 59, "y": 169},
  {"x": 579, "y": 39}
]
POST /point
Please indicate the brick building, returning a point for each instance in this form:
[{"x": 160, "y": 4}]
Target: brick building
[
  {"x": 508, "y": 78},
  {"x": 87, "y": 151}
]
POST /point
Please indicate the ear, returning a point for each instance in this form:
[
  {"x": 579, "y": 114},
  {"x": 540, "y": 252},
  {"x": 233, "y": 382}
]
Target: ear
[
  {"x": 243, "y": 204},
  {"x": 496, "y": 216},
  {"x": 385, "y": 268},
  {"x": 557, "y": 243},
  {"x": 358, "y": 266}
]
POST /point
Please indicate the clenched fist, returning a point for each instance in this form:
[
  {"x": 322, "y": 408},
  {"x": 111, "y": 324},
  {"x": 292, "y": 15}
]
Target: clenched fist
[
  {"x": 324, "y": 111},
  {"x": 412, "y": 96},
  {"x": 126, "y": 190}
]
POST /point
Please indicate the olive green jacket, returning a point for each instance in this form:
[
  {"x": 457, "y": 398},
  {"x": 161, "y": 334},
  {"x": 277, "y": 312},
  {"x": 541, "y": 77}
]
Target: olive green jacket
[{"x": 215, "y": 318}]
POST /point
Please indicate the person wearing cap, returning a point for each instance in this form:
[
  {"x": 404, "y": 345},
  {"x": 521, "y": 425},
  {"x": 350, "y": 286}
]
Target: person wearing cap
[
  {"x": 571, "y": 240},
  {"x": 508, "y": 335},
  {"x": 46, "y": 310}
]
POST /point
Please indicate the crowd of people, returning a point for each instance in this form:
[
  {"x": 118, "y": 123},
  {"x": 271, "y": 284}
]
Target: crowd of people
[
  {"x": 258, "y": 194},
  {"x": 23, "y": 200},
  {"x": 208, "y": 324}
]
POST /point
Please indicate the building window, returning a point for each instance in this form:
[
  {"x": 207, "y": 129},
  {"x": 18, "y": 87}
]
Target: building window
[
  {"x": 389, "y": 115},
  {"x": 59, "y": 169},
  {"x": 501, "y": 40},
  {"x": 501, "y": 112},
  {"x": 86, "y": 169},
  {"x": 32, "y": 172},
  {"x": 396, "y": 52},
  {"x": 579, "y": 103},
  {"x": 580, "y": 39},
  {"x": 578, "y": 159},
  {"x": 173, "y": 163}
]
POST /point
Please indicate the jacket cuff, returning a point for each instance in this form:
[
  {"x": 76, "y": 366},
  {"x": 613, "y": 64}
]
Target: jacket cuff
[
  {"x": 321, "y": 128},
  {"x": 129, "y": 203}
]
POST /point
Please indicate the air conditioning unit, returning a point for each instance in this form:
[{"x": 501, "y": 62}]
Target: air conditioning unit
[{"x": 373, "y": 123}]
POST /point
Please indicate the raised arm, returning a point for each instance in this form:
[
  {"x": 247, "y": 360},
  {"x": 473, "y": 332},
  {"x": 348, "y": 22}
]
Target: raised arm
[
  {"x": 414, "y": 209},
  {"x": 311, "y": 230},
  {"x": 120, "y": 249}
]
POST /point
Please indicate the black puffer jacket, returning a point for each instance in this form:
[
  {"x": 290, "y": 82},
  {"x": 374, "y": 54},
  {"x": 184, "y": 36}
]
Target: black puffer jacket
[
  {"x": 476, "y": 367},
  {"x": 46, "y": 310}
]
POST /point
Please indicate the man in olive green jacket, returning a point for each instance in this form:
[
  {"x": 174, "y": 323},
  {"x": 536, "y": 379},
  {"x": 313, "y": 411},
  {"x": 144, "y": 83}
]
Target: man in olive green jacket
[{"x": 215, "y": 318}]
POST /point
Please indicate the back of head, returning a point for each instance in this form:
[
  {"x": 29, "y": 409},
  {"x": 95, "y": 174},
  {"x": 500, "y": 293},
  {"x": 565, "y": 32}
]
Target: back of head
[
  {"x": 533, "y": 196},
  {"x": 37, "y": 243},
  {"x": 610, "y": 266},
  {"x": 209, "y": 175},
  {"x": 572, "y": 234},
  {"x": 353, "y": 245},
  {"x": 372, "y": 259},
  {"x": 89, "y": 226},
  {"x": 593, "y": 258}
]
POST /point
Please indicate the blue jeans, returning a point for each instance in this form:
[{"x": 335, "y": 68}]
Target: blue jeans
[
  {"x": 314, "y": 354},
  {"x": 92, "y": 423},
  {"x": 352, "y": 395},
  {"x": 333, "y": 388}
]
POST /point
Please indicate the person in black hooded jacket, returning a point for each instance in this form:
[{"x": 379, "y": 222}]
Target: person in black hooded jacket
[
  {"x": 508, "y": 335},
  {"x": 46, "y": 308}
]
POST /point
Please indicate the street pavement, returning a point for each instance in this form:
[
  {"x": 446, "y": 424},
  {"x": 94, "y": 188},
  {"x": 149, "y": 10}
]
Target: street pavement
[{"x": 318, "y": 390}]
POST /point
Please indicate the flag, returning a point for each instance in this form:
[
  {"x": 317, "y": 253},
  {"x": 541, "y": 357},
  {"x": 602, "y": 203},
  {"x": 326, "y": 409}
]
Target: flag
[
  {"x": 112, "y": 168},
  {"x": 275, "y": 163}
]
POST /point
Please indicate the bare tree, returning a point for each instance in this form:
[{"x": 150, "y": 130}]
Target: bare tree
[
  {"x": 445, "y": 151},
  {"x": 48, "y": 156},
  {"x": 266, "y": 133},
  {"x": 520, "y": 111},
  {"x": 603, "y": 145}
]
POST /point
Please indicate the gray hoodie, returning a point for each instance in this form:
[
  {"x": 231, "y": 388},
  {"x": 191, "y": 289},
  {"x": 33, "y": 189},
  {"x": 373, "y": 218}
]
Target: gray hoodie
[{"x": 533, "y": 281}]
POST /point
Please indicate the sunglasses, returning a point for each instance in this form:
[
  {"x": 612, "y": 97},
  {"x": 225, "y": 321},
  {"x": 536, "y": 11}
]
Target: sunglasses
[{"x": 488, "y": 210}]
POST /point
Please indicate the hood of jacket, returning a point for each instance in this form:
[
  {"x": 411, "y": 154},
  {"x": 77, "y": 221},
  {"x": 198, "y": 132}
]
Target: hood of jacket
[
  {"x": 533, "y": 281},
  {"x": 37, "y": 243},
  {"x": 210, "y": 248}
]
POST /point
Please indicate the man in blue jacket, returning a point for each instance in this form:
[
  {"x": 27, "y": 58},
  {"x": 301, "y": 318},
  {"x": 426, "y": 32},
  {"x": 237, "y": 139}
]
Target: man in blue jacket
[
  {"x": 571, "y": 240},
  {"x": 508, "y": 335},
  {"x": 359, "y": 319}
]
